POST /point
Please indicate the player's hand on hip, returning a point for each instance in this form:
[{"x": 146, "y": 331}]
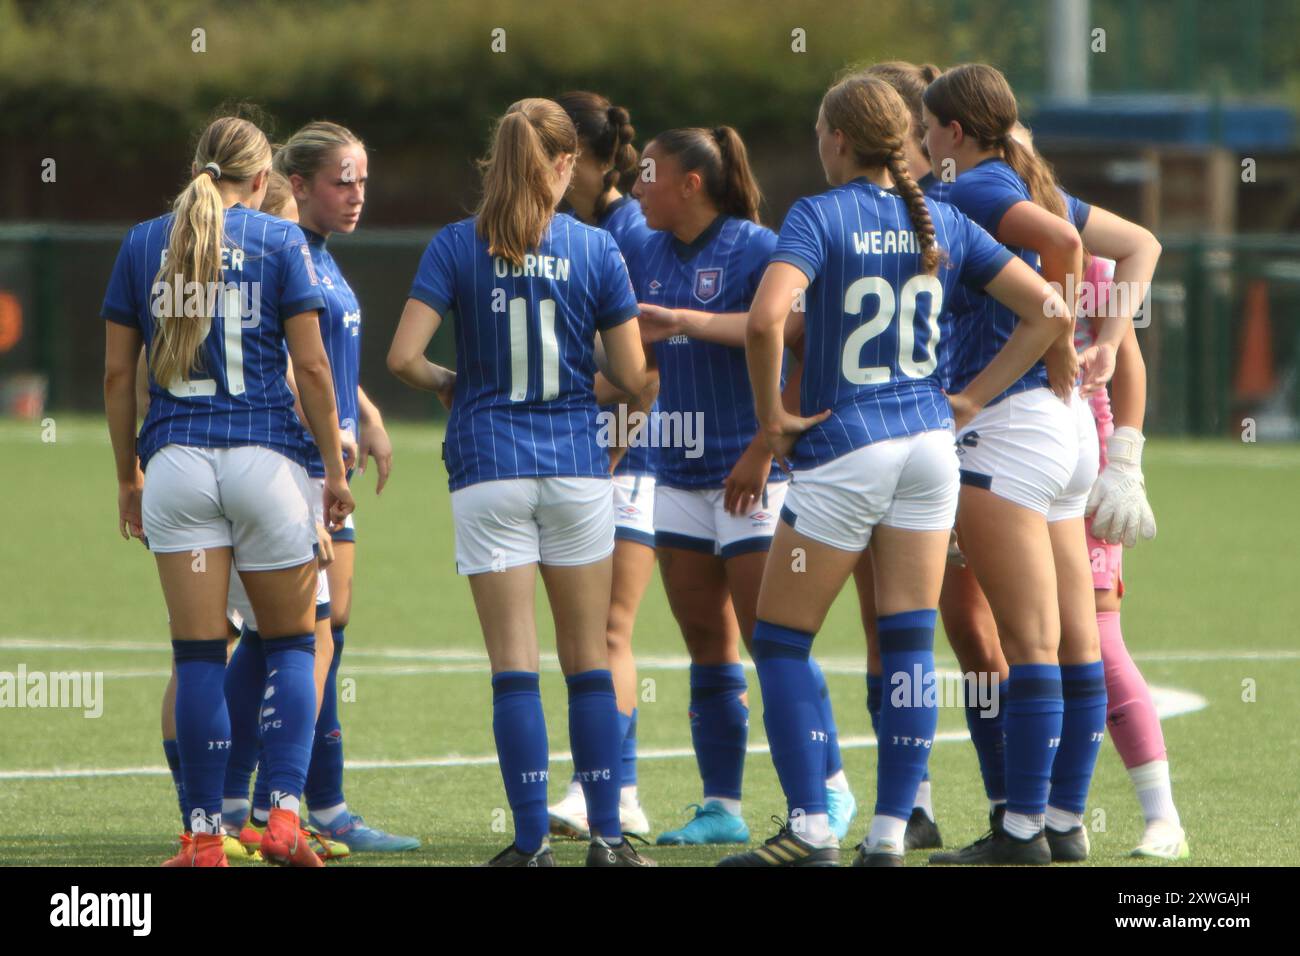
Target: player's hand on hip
[
  {"x": 963, "y": 410},
  {"x": 1118, "y": 502},
  {"x": 1062, "y": 363},
  {"x": 1098, "y": 364},
  {"x": 782, "y": 435}
]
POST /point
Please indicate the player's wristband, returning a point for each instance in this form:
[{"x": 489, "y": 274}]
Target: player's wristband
[{"x": 1125, "y": 446}]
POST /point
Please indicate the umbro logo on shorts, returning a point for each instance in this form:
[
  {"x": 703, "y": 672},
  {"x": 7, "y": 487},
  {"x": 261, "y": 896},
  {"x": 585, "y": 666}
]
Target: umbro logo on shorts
[
  {"x": 629, "y": 511},
  {"x": 760, "y": 517}
]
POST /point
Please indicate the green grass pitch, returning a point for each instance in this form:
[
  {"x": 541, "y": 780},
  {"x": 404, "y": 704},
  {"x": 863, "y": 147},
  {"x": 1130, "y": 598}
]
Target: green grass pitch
[{"x": 1211, "y": 613}]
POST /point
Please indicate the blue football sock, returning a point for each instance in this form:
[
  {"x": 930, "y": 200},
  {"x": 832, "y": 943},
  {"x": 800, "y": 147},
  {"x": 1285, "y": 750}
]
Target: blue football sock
[
  {"x": 325, "y": 775},
  {"x": 793, "y": 715},
  {"x": 520, "y": 730},
  {"x": 628, "y": 723},
  {"x": 173, "y": 753},
  {"x": 202, "y": 728},
  {"x": 875, "y": 689},
  {"x": 261, "y": 789},
  {"x": 244, "y": 686},
  {"x": 909, "y": 711},
  {"x": 834, "y": 763},
  {"x": 1033, "y": 732},
  {"x": 719, "y": 727},
  {"x": 596, "y": 745},
  {"x": 1083, "y": 727},
  {"x": 288, "y": 714},
  {"x": 986, "y": 725}
]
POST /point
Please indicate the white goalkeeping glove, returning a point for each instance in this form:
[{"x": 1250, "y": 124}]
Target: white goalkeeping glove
[{"x": 1118, "y": 502}]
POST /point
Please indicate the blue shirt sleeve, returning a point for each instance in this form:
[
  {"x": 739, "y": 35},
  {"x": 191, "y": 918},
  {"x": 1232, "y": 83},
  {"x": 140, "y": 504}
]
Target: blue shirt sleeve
[
  {"x": 983, "y": 256},
  {"x": 435, "y": 279},
  {"x": 758, "y": 253},
  {"x": 299, "y": 285},
  {"x": 121, "y": 304},
  {"x": 985, "y": 198},
  {"x": 802, "y": 242},
  {"x": 616, "y": 301},
  {"x": 1078, "y": 210}
]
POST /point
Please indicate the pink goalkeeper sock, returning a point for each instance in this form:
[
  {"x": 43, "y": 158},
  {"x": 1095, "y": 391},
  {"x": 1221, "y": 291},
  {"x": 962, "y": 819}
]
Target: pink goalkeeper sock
[{"x": 1130, "y": 713}]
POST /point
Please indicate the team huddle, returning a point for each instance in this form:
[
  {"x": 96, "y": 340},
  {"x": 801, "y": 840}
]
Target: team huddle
[{"x": 903, "y": 385}]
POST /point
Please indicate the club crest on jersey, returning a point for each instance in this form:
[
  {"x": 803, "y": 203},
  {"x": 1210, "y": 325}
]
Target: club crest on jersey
[{"x": 708, "y": 283}]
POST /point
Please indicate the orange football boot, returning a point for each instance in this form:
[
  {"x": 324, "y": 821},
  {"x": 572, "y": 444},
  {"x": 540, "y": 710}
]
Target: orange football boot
[
  {"x": 200, "y": 849},
  {"x": 285, "y": 842}
]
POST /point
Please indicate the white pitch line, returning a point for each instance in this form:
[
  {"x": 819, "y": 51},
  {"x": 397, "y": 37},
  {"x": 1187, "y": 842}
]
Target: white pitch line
[
  {"x": 834, "y": 665},
  {"x": 1170, "y": 702}
]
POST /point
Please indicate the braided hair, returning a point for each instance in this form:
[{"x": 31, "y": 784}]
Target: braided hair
[{"x": 876, "y": 123}]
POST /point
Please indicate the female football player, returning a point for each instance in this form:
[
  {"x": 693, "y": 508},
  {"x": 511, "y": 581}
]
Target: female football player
[
  {"x": 909, "y": 80},
  {"x": 326, "y": 166},
  {"x": 1028, "y": 461},
  {"x": 873, "y": 458},
  {"x": 606, "y": 160},
  {"x": 223, "y": 459},
  {"x": 1118, "y": 512},
  {"x": 718, "y": 491},
  {"x": 530, "y": 483}
]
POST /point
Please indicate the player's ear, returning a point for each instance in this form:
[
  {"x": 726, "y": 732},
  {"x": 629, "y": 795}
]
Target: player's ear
[
  {"x": 260, "y": 180},
  {"x": 691, "y": 183},
  {"x": 299, "y": 185}
]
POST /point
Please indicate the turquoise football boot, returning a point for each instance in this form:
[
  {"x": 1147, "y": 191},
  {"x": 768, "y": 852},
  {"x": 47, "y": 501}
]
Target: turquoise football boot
[{"x": 711, "y": 824}]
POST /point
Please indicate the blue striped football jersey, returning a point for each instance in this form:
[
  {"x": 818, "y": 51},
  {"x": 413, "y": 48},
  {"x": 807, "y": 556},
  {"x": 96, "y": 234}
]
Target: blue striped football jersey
[
  {"x": 524, "y": 404},
  {"x": 985, "y": 193},
  {"x": 624, "y": 220},
  {"x": 340, "y": 330},
  {"x": 934, "y": 187},
  {"x": 702, "y": 381},
  {"x": 238, "y": 395},
  {"x": 875, "y": 325}
]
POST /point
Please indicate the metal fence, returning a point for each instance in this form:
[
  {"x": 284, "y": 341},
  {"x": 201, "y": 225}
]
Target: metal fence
[{"x": 1221, "y": 335}]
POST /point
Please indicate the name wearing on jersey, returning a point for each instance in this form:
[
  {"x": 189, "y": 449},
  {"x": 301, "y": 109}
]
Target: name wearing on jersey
[
  {"x": 883, "y": 242},
  {"x": 533, "y": 267}
]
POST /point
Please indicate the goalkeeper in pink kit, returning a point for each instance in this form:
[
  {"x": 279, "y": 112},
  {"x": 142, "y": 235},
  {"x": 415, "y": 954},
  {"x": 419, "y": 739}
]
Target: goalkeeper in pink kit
[{"x": 1117, "y": 513}]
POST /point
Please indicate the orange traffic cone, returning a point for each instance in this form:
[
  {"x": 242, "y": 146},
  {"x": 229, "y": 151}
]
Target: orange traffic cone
[{"x": 1256, "y": 380}]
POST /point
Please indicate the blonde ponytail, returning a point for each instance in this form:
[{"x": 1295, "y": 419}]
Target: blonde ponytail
[{"x": 230, "y": 149}]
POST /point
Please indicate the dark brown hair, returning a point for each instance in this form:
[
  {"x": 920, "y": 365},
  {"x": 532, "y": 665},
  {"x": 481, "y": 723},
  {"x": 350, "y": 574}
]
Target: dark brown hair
[
  {"x": 909, "y": 80},
  {"x": 720, "y": 157},
  {"x": 605, "y": 131}
]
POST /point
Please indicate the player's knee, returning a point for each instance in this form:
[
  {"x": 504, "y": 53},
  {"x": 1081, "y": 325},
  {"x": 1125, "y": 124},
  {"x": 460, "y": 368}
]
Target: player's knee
[{"x": 975, "y": 644}]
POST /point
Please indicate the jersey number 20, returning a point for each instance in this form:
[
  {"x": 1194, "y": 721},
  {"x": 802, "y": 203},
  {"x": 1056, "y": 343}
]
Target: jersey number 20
[{"x": 918, "y": 285}]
